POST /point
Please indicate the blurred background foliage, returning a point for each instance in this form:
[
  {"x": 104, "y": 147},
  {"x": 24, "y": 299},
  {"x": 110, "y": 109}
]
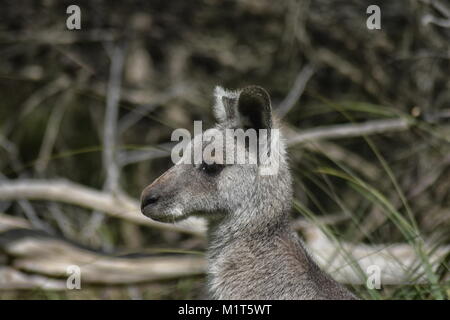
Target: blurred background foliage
[{"x": 174, "y": 54}]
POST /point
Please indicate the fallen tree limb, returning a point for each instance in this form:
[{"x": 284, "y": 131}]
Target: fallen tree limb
[
  {"x": 398, "y": 263},
  {"x": 72, "y": 193},
  {"x": 41, "y": 256},
  {"x": 8, "y": 222},
  {"x": 396, "y": 259},
  {"x": 12, "y": 279}
]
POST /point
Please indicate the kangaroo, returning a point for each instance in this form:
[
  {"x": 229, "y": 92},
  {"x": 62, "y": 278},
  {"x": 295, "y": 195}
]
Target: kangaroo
[{"x": 252, "y": 251}]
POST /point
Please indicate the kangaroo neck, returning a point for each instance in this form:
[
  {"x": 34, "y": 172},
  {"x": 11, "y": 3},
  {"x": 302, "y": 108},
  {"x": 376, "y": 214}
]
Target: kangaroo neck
[
  {"x": 238, "y": 246},
  {"x": 245, "y": 226}
]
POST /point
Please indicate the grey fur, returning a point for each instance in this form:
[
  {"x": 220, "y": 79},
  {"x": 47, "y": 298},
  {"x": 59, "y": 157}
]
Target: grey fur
[{"x": 252, "y": 251}]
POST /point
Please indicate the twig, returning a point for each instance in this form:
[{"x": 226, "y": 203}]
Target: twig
[
  {"x": 29, "y": 212},
  {"x": 52, "y": 36},
  {"x": 43, "y": 93},
  {"x": 296, "y": 91},
  {"x": 152, "y": 101},
  {"x": 132, "y": 117},
  {"x": 111, "y": 117},
  {"x": 337, "y": 153},
  {"x": 350, "y": 130},
  {"x": 439, "y": 6},
  {"x": 8, "y": 222},
  {"x": 428, "y": 18},
  {"x": 133, "y": 156},
  {"x": 32, "y": 216},
  {"x": 50, "y": 135},
  {"x": 12, "y": 153},
  {"x": 12, "y": 279},
  {"x": 51, "y": 132},
  {"x": 61, "y": 220}
]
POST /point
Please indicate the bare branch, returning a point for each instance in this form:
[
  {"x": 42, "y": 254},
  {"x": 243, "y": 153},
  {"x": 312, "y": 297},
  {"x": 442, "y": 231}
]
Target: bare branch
[
  {"x": 439, "y": 6},
  {"x": 12, "y": 279},
  {"x": 43, "y": 93},
  {"x": 133, "y": 156},
  {"x": 111, "y": 117},
  {"x": 428, "y": 18},
  {"x": 153, "y": 101},
  {"x": 349, "y": 130},
  {"x": 338, "y": 153},
  {"x": 50, "y": 257},
  {"x": 50, "y": 137},
  {"x": 52, "y": 36},
  {"x": 296, "y": 91},
  {"x": 32, "y": 216},
  {"x": 398, "y": 263},
  {"x": 67, "y": 192},
  {"x": 44, "y": 255},
  {"x": 8, "y": 222}
]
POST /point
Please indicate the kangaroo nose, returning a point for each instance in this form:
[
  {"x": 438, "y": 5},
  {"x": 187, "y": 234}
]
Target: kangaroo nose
[{"x": 148, "y": 200}]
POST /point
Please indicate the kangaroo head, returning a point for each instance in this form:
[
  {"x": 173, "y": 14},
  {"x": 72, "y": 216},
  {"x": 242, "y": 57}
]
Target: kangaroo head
[{"x": 217, "y": 186}]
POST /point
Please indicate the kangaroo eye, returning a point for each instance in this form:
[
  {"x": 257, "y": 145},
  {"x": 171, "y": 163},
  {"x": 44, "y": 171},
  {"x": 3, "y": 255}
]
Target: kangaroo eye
[{"x": 212, "y": 168}]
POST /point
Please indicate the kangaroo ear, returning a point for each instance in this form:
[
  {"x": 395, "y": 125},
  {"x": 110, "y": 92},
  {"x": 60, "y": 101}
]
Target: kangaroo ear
[
  {"x": 225, "y": 106},
  {"x": 254, "y": 108}
]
